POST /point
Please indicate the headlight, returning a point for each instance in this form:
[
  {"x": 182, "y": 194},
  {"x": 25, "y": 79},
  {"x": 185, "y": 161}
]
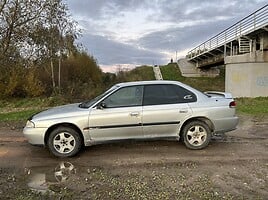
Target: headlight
[{"x": 29, "y": 124}]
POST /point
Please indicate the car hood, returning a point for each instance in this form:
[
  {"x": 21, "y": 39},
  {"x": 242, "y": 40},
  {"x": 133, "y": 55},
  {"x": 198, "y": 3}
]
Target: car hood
[{"x": 70, "y": 110}]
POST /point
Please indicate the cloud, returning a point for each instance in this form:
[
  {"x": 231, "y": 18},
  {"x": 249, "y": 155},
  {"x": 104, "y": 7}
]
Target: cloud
[
  {"x": 101, "y": 9},
  {"x": 139, "y": 32},
  {"x": 110, "y": 52},
  {"x": 180, "y": 38}
]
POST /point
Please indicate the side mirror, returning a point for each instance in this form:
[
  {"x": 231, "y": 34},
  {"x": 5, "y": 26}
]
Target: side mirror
[{"x": 101, "y": 105}]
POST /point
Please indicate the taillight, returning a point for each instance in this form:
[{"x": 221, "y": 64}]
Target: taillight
[{"x": 232, "y": 104}]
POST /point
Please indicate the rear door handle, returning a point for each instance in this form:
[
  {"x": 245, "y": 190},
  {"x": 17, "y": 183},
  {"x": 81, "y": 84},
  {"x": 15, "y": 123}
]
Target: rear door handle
[{"x": 134, "y": 114}]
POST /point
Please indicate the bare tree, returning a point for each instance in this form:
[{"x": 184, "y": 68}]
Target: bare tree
[
  {"x": 17, "y": 19},
  {"x": 64, "y": 28},
  {"x": 33, "y": 31},
  {"x": 2, "y": 5}
]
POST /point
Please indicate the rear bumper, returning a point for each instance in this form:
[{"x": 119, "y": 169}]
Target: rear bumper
[{"x": 225, "y": 124}]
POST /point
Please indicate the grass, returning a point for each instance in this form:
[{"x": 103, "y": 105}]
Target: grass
[
  {"x": 146, "y": 72},
  {"x": 253, "y": 106},
  {"x": 143, "y": 73},
  {"x": 20, "y": 109},
  {"x": 9, "y": 104},
  {"x": 17, "y": 115}
]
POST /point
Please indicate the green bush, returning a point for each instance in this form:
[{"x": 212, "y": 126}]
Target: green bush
[
  {"x": 21, "y": 83},
  {"x": 14, "y": 86},
  {"x": 32, "y": 86}
]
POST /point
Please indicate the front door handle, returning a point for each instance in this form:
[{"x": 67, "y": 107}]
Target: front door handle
[{"x": 134, "y": 114}]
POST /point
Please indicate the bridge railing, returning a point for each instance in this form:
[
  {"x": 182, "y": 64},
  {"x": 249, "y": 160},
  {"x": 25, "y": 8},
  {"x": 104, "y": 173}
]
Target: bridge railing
[{"x": 254, "y": 21}]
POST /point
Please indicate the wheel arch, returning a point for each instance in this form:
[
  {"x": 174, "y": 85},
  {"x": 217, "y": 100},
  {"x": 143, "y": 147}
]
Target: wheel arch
[
  {"x": 69, "y": 125},
  {"x": 203, "y": 119}
]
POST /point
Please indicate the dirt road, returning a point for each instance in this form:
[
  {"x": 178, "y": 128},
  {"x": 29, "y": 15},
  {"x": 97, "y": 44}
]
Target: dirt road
[{"x": 231, "y": 167}]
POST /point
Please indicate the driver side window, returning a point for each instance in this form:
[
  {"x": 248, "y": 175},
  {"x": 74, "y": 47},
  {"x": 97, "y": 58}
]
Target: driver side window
[{"x": 125, "y": 97}]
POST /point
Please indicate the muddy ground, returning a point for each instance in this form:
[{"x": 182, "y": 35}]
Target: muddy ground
[{"x": 234, "y": 166}]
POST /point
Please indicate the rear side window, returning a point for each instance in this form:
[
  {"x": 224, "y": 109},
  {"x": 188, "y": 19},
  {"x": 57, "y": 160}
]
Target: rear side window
[{"x": 167, "y": 94}]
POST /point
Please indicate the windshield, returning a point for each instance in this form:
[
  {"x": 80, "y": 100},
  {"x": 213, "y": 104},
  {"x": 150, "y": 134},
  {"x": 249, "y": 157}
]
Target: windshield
[{"x": 89, "y": 103}]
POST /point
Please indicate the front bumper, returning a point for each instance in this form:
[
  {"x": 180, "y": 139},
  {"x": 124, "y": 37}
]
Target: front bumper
[{"x": 35, "y": 136}]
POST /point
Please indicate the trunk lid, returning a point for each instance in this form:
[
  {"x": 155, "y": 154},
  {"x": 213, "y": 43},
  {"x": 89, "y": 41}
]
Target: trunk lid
[{"x": 216, "y": 94}]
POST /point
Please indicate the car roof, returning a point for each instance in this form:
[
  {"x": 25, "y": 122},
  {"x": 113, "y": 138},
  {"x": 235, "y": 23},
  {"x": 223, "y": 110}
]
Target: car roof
[{"x": 154, "y": 82}]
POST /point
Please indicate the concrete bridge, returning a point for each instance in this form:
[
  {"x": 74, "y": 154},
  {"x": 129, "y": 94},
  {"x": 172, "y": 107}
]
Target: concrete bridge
[{"x": 243, "y": 49}]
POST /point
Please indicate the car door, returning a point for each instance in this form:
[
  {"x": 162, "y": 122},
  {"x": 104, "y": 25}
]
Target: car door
[
  {"x": 165, "y": 106},
  {"x": 118, "y": 116}
]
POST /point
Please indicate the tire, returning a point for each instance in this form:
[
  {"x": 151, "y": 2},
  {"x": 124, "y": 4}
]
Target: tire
[
  {"x": 64, "y": 142},
  {"x": 196, "y": 135}
]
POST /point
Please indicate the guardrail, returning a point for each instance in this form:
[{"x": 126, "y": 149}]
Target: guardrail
[{"x": 254, "y": 21}]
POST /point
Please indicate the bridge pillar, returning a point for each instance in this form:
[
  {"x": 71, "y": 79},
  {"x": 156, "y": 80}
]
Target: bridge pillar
[{"x": 247, "y": 74}]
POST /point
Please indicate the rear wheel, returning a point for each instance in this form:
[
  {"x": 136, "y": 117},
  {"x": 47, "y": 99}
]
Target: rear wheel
[
  {"x": 64, "y": 142},
  {"x": 196, "y": 135}
]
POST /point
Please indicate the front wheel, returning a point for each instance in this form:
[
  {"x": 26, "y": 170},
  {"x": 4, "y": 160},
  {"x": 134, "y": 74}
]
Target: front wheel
[
  {"x": 196, "y": 135},
  {"x": 64, "y": 142}
]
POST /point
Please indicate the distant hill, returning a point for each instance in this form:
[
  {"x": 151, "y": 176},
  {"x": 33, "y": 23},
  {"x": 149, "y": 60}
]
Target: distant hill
[
  {"x": 172, "y": 72},
  {"x": 143, "y": 73}
]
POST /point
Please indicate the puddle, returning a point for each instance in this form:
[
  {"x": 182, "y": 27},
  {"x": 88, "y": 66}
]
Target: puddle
[{"x": 43, "y": 179}]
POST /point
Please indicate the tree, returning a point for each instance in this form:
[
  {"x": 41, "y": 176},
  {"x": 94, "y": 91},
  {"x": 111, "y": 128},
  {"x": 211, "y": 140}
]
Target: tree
[
  {"x": 64, "y": 32},
  {"x": 35, "y": 33},
  {"x": 17, "y": 18}
]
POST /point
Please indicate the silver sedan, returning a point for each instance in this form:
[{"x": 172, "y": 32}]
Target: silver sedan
[{"x": 135, "y": 110}]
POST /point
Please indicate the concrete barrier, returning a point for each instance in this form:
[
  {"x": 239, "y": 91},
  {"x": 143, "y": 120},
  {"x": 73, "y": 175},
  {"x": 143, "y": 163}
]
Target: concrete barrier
[
  {"x": 157, "y": 73},
  {"x": 247, "y": 74}
]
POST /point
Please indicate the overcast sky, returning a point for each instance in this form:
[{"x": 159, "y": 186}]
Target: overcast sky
[{"x": 130, "y": 33}]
